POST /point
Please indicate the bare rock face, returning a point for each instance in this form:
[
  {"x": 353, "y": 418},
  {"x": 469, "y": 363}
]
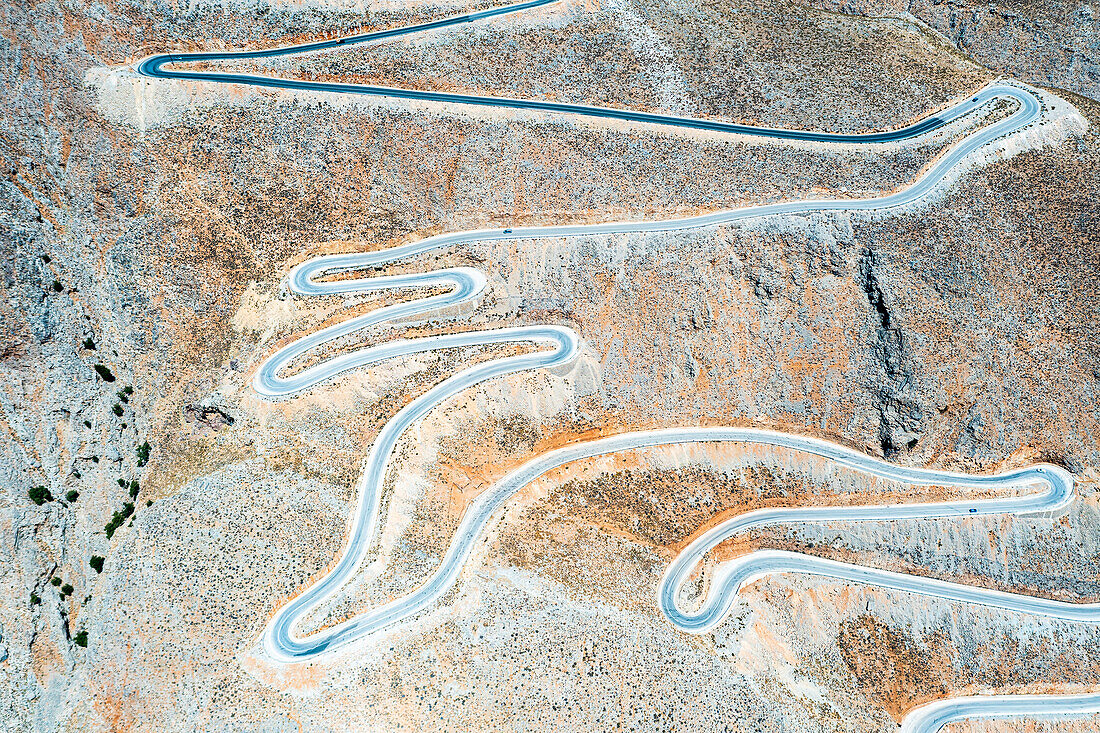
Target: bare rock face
[
  {"x": 156, "y": 512},
  {"x": 207, "y": 418}
]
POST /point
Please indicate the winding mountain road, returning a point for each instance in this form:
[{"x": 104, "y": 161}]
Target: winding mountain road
[
  {"x": 934, "y": 716},
  {"x": 1050, "y": 488},
  {"x": 156, "y": 67}
]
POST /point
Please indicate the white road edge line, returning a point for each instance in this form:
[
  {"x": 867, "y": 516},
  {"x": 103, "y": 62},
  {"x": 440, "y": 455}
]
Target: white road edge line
[{"x": 279, "y": 639}]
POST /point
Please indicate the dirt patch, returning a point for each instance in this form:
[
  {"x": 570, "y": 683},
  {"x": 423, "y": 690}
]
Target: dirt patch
[{"x": 893, "y": 667}]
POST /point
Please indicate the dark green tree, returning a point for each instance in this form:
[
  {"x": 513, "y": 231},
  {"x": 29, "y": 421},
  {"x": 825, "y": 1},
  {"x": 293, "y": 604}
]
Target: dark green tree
[
  {"x": 143, "y": 453},
  {"x": 40, "y": 495}
]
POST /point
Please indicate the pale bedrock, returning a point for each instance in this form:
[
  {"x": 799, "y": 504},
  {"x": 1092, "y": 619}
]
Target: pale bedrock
[{"x": 157, "y": 236}]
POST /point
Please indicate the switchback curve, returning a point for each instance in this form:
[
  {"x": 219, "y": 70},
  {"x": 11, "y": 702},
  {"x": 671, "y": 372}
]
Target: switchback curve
[
  {"x": 934, "y": 716},
  {"x": 466, "y": 284},
  {"x": 155, "y": 66}
]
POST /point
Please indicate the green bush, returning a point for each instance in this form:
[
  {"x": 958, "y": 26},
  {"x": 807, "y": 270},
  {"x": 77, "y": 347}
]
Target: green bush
[
  {"x": 134, "y": 489},
  {"x": 117, "y": 409},
  {"x": 72, "y": 495},
  {"x": 96, "y": 561},
  {"x": 81, "y": 638},
  {"x": 67, "y": 590},
  {"x": 55, "y": 582},
  {"x": 57, "y": 286},
  {"x": 35, "y": 600},
  {"x": 40, "y": 495},
  {"x": 143, "y": 453},
  {"x": 104, "y": 373},
  {"x": 119, "y": 518},
  {"x": 89, "y": 344}
]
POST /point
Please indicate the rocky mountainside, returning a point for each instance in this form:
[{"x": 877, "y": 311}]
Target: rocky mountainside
[
  {"x": 1049, "y": 43},
  {"x": 157, "y": 511}
]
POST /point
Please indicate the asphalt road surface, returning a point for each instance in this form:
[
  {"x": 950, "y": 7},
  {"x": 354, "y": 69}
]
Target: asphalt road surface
[{"x": 1047, "y": 489}]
